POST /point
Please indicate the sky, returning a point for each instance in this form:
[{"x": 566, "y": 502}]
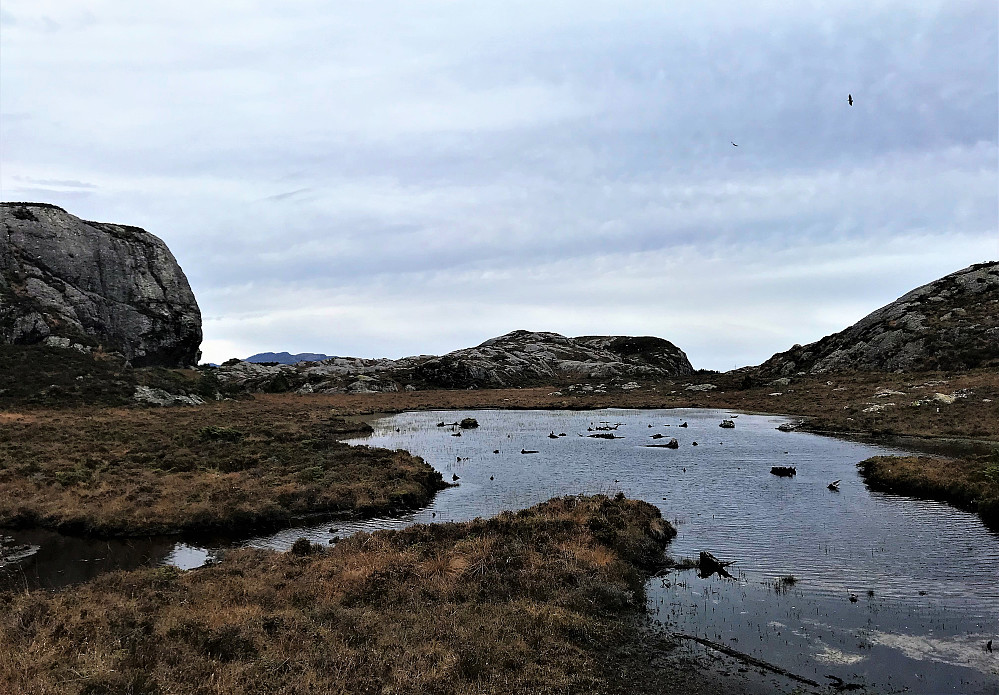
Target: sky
[{"x": 396, "y": 177}]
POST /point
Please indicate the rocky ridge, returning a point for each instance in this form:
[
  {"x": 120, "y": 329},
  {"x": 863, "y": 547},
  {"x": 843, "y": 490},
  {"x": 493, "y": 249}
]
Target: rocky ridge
[
  {"x": 519, "y": 358},
  {"x": 948, "y": 324},
  {"x": 68, "y": 282}
]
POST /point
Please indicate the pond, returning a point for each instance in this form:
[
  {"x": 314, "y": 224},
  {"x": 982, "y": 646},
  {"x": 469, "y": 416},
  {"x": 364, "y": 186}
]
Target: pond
[{"x": 889, "y": 592}]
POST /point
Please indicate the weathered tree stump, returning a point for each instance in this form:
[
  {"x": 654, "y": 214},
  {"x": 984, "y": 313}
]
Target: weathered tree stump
[{"x": 709, "y": 565}]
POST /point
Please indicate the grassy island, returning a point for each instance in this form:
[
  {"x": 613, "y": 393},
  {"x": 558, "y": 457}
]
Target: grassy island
[
  {"x": 970, "y": 483},
  {"x": 232, "y": 465}
]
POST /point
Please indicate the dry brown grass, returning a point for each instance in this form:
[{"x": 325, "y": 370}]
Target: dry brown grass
[
  {"x": 532, "y": 602},
  {"x": 229, "y": 465}
]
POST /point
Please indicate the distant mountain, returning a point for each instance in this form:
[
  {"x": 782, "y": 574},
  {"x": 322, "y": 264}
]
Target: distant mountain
[
  {"x": 519, "y": 358},
  {"x": 286, "y": 358},
  {"x": 949, "y": 324}
]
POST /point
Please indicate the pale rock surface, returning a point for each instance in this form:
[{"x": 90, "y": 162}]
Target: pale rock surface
[{"x": 93, "y": 284}]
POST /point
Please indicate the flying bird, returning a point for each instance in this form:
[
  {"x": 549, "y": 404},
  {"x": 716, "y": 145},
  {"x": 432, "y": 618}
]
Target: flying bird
[
  {"x": 733, "y": 144},
  {"x": 849, "y": 99}
]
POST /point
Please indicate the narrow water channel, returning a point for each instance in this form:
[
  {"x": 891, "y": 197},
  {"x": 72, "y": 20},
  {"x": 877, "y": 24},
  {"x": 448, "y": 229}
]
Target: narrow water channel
[{"x": 889, "y": 592}]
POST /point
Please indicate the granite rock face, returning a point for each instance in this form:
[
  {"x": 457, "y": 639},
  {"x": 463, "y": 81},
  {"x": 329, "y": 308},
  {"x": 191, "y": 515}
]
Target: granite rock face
[
  {"x": 95, "y": 284},
  {"x": 949, "y": 324}
]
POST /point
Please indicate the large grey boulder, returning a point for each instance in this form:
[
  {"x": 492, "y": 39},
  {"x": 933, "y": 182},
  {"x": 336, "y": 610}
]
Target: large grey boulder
[
  {"x": 949, "y": 324},
  {"x": 103, "y": 285}
]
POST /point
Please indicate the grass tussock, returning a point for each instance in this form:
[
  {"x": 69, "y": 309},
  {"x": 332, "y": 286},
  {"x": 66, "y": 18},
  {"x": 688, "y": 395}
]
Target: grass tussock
[
  {"x": 222, "y": 466},
  {"x": 971, "y": 483},
  {"x": 527, "y": 602}
]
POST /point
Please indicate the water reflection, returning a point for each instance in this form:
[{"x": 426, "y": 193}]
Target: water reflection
[{"x": 64, "y": 560}]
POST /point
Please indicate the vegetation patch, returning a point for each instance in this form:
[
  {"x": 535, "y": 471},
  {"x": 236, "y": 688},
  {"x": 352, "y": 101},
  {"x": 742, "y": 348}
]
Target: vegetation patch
[
  {"x": 971, "y": 483},
  {"x": 225, "y": 466},
  {"x": 539, "y": 601},
  {"x": 40, "y": 376}
]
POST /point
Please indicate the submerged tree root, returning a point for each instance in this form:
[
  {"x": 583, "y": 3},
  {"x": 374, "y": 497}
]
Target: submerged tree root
[{"x": 748, "y": 659}]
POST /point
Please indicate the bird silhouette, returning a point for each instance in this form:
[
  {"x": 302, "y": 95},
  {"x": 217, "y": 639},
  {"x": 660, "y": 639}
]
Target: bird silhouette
[
  {"x": 733, "y": 144},
  {"x": 849, "y": 99}
]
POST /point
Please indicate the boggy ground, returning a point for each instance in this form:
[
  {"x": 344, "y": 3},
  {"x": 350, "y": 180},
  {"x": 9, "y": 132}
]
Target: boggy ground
[
  {"x": 226, "y": 466},
  {"x": 546, "y": 600}
]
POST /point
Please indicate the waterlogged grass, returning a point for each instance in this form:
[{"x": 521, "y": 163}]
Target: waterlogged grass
[
  {"x": 539, "y": 601},
  {"x": 222, "y": 466},
  {"x": 971, "y": 483}
]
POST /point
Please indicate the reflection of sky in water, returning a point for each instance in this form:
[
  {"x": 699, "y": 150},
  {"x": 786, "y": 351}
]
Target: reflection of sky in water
[
  {"x": 722, "y": 497},
  {"x": 187, "y": 557}
]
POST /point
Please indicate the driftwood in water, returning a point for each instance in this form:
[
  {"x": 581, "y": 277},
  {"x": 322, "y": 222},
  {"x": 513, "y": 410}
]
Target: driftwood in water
[
  {"x": 784, "y": 471},
  {"x": 746, "y": 658},
  {"x": 709, "y": 565},
  {"x": 671, "y": 444}
]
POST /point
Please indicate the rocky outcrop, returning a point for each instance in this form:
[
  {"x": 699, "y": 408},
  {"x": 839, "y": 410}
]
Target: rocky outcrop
[
  {"x": 520, "y": 358},
  {"x": 523, "y": 358},
  {"x": 94, "y": 284},
  {"x": 949, "y": 324}
]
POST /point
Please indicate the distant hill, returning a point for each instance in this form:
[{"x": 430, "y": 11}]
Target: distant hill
[
  {"x": 948, "y": 324},
  {"x": 519, "y": 358},
  {"x": 286, "y": 358}
]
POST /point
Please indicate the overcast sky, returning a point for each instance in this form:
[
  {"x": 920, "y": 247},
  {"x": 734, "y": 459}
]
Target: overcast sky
[{"x": 385, "y": 178}]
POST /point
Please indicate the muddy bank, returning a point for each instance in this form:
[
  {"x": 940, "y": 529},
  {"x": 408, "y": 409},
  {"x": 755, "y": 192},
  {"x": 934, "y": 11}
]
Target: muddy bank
[{"x": 969, "y": 483}]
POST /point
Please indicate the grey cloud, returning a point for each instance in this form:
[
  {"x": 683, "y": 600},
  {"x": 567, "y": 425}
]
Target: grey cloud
[
  {"x": 288, "y": 194},
  {"x": 55, "y": 182}
]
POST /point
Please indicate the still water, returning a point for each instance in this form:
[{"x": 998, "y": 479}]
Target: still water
[{"x": 924, "y": 576}]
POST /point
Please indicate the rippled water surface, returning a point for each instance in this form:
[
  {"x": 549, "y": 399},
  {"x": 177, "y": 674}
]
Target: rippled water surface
[{"x": 925, "y": 576}]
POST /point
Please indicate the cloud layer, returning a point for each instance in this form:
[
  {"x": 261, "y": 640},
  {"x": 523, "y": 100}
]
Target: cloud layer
[{"x": 388, "y": 178}]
